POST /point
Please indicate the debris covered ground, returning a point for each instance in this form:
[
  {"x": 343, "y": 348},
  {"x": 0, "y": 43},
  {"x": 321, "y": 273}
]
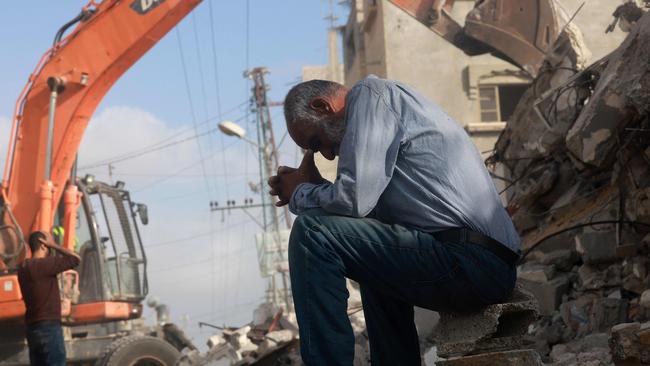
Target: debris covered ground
[{"x": 576, "y": 161}]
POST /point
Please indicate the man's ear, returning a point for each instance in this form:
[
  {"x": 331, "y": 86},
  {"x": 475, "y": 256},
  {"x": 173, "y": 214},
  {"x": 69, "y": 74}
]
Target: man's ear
[{"x": 321, "y": 105}]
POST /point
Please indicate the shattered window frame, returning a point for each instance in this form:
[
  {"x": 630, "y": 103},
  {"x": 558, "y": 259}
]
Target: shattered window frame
[
  {"x": 489, "y": 104},
  {"x": 491, "y": 107}
]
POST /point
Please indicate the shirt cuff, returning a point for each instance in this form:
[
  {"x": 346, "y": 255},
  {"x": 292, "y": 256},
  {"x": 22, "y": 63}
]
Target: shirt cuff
[{"x": 298, "y": 202}]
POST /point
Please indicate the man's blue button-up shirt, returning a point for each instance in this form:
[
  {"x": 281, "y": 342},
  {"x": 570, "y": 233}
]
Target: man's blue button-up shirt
[{"x": 405, "y": 161}]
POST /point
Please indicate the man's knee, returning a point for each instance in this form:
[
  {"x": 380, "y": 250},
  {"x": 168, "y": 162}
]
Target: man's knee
[
  {"x": 300, "y": 237},
  {"x": 299, "y": 230}
]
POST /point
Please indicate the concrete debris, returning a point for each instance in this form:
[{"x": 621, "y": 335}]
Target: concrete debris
[
  {"x": 596, "y": 247},
  {"x": 508, "y": 358},
  {"x": 275, "y": 339},
  {"x": 497, "y": 327},
  {"x": 271, "y": 337},
  {"x": 563, "y": 259},
  {"x": 577, "y": 152},
  {"x": 548, "y": 293},
  {"x": 645, "y": 299},
  {"x": 629, "y": 343}
]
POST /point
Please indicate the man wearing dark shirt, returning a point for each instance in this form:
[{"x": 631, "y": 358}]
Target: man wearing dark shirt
[{"x": 38, "y": 283}]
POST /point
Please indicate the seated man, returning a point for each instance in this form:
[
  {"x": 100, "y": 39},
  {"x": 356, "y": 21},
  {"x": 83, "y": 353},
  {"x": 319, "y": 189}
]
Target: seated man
[
  {"x": 37, "y": 277},
  {"x": 413, "y": 217}
]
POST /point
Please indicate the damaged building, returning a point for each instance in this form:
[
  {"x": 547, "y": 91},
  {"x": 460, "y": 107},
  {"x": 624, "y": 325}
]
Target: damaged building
[{"x": 576, "y": 157}]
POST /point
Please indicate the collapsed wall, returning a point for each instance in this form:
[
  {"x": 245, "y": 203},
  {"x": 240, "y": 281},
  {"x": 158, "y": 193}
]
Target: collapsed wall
[{"x": 577, "y": 157}]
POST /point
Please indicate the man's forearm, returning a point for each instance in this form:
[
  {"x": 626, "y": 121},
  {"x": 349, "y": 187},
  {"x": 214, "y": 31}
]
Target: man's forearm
[{"x": 64, "y": 251}]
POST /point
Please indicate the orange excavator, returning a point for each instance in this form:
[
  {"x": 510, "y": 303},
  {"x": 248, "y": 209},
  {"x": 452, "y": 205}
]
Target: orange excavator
[{"x": 40, "y": 190}]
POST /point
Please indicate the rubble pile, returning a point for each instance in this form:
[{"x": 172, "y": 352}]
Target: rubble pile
[
  {"x": 494, "y": 334},
  {"x": 271, "y": 338},
  {"x": 576, "y": 157},
  {"x": 584, "y": 296}
]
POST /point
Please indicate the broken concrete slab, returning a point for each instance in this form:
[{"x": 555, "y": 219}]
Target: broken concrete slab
[
  {"x": 536, "y": 273},
  {"x": 497, "y": 327},
  {"x": 606, "y": 312},
  {"x": 621, "y": 93},
  {"x": 274, "y": 339},
  {"x": 548, "y": 293},
  {"x": 215, "y": 341},
  {"x": 644, "y": 301},
  {"x": 508, "y": 358},
  {"x": 575, "y": 314},
  {"x": 595, "y": 278},
  {"x": 596, "y": 247},
  {"x": 624, "y": 342},
  {"x": 563, "y": 259}
]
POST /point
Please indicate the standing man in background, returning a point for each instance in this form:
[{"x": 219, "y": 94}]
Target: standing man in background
[
  {"x": 413, "y": 217},
  {"x": 37, "y": 277}
]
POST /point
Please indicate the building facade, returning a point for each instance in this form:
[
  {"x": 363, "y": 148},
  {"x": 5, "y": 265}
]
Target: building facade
[{"x": 479, "y": 92}]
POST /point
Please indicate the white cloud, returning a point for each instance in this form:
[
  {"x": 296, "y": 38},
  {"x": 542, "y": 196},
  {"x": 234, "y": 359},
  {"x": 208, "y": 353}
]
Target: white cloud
[{"x": 119, "y": 130}]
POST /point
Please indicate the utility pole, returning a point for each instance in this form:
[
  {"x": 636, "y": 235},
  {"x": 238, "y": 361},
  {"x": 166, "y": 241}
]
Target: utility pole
[
  {"x": 271, "y": 243},
  {"x": 268, "y": 161}
]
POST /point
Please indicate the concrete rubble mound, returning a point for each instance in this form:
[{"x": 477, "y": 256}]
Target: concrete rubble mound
[
  {"x": 270, "y": 339},
  {"x": 497, "y": 327},
  {"x": 576, "y": 158}
]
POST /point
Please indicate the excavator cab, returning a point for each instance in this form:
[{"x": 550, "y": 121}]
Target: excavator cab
[{"x": 112, "y": 274}]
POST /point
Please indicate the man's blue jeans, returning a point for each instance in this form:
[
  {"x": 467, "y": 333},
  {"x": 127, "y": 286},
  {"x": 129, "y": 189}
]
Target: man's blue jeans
[
  {"x": 396, "y": 268},
  {"x": 46, "y": 345}
]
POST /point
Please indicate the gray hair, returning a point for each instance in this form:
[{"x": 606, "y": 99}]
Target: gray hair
[{"x": 296, "y": 104}]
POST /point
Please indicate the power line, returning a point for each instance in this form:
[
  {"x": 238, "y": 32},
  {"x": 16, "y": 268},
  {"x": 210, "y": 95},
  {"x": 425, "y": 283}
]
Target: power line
[
  {"x": 179, "y": 176},
  {"x": 241, "y": 249},
  {"x": 154, "y": 148},
  {"x": 202, "y": 79},
  {"x": 197, "y": 262},
  {"x": 176, "y": 173},
  {"x": 215, "y": 62},
  {"x": 200, "y": 59},
  {"x": 188, "y": 129},
  {"x": 137, "y": 155},
  {"x": 215, "y": 65},
  {"x": 187, "y": 238},
  {"x": 191, "y": 102}
]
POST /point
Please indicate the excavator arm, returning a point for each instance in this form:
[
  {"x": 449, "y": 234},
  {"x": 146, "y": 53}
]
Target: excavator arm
[
  {"x": 58, "y": 101},
  {"x": 518, "y": 31}
]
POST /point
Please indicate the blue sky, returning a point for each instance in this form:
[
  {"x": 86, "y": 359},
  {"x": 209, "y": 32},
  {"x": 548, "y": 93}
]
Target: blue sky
[{"x": 202, "y": 264}]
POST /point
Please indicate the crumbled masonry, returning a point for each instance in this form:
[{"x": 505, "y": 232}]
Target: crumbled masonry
[{"x": 577, "y": 156}]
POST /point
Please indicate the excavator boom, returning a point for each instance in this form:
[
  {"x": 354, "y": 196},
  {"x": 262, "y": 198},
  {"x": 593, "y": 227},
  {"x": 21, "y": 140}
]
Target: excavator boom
[
  {"x": 518, "y": 31},
  {"x": 109, "y": 38}
]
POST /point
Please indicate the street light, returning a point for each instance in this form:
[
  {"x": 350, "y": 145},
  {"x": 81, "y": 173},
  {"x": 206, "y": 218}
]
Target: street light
[{"x": 230, "y": 128}]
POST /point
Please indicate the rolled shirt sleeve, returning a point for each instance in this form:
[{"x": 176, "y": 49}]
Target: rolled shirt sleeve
[{"x": 367, "y": 158}]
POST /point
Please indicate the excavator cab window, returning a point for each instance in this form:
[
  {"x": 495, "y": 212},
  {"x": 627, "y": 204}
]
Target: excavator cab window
[{"x": 119, "y": 240}]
